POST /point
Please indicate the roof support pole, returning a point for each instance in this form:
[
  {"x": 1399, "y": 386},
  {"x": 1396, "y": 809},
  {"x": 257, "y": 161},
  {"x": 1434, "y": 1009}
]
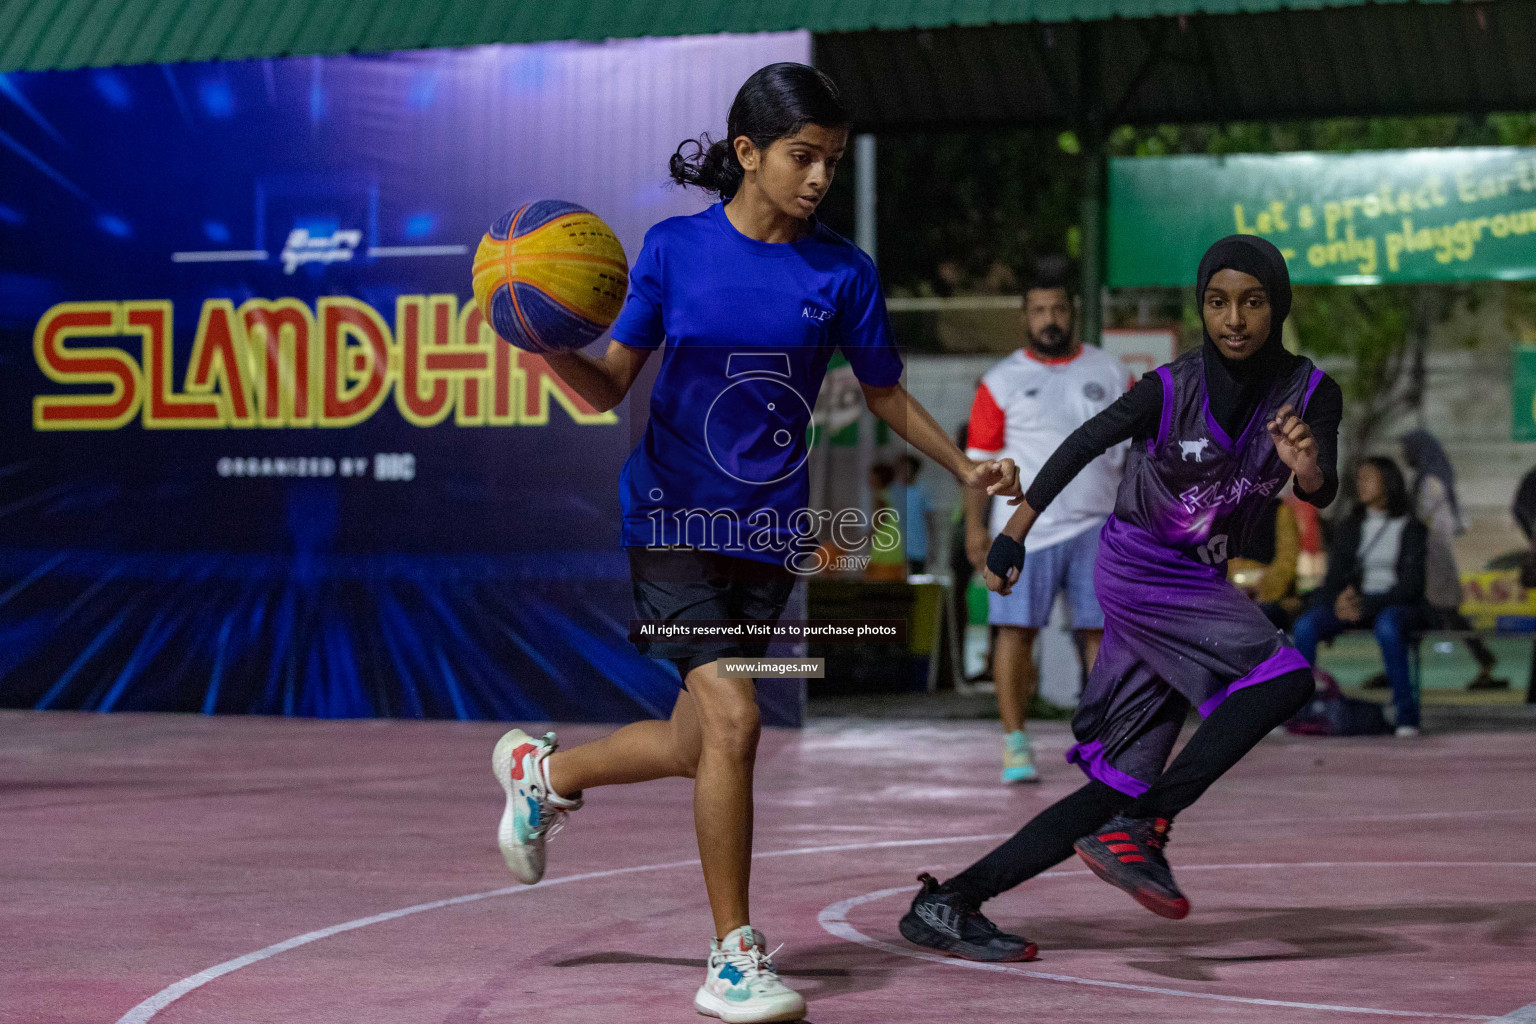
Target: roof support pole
[
  {"x": 1092, "y": 217},
  {"x": 864, "y": 236},
  {"x": 864, "y": 193},
  {"x": 1092, "y": 135}
]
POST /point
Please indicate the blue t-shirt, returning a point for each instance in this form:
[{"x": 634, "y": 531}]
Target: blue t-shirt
[
  {"x": 749, "y": 327},
  {"x": 912, "y": 504}
]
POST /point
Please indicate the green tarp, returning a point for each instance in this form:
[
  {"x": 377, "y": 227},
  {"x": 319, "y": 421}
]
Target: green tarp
[{"x": 51, "y": 34}]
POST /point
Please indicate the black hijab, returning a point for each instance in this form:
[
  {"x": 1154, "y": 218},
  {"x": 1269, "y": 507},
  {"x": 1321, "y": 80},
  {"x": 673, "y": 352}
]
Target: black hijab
[{"x": 1237, "y": 387}]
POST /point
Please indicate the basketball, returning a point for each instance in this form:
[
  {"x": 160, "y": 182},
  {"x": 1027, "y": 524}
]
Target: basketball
[{"x": 550, "y": 276}]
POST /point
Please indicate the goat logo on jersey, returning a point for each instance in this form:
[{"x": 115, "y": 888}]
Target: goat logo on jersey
[{"x": 1195, "y": 448}]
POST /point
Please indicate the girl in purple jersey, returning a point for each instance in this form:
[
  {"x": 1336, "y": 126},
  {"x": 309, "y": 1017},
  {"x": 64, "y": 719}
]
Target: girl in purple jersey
[{"x": 1216, "y": 434}]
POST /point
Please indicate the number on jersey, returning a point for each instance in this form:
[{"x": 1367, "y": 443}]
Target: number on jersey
[{"x": 1213, "y": 551}]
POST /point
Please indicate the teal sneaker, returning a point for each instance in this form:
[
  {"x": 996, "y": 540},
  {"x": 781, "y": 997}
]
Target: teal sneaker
[
  {"x": 533, "y": 811},
  {"x": 1018, "y": 759}
]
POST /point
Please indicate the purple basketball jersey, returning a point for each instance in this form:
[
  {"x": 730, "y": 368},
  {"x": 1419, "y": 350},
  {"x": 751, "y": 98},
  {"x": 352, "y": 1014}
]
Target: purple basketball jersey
[
  {"x": 1194, "y": 489},
  {"x": 1176, "y": 633}
]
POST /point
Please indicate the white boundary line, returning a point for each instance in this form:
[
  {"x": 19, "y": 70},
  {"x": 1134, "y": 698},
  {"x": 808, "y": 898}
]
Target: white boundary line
[
  {"x": 219, "y": 256},
  {"x": 834, "y": 921},
  {"x": 168, "y": 995},
  {"x": 147, "y": 1009},
  {"x": 1524, "y": 1015}
]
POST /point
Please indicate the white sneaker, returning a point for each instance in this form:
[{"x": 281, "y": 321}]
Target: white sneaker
[
  {"x": 533, "y": 812},
  {"x": 1407, "y": 732},
  {"x": 743, "y": 986}
]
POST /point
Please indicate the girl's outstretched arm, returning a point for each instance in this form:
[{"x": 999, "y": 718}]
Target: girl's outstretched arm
[
  {"x": 918, "y": 428},
  {"x": 1134, "y": 414}
]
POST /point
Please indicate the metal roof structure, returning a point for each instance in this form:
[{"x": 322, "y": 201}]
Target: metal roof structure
[
  {"x": 59, "y": 34},
  {"x": 907, "y": 63},
  {"x": 914, "y": 64},
  {"x": 1361, "y": 59}
]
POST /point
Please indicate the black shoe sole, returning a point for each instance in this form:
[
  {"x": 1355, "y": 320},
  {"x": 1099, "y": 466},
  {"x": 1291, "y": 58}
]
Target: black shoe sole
[
  {"x": 1174, "y": 908},
  {"x": 919, "y": 934}
]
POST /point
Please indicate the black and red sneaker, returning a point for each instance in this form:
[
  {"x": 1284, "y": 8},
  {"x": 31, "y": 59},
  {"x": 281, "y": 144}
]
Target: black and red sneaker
[
  {"x": 1128, "y": 853},
  {"x": 946, "y": 922}
]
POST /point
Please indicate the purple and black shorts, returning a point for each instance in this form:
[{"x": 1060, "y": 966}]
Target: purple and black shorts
[{"x": 1176, "y": 635}]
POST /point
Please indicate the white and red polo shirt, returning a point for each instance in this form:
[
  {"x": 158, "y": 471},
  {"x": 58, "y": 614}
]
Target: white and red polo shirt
[{"x": 1025, "y": 407}]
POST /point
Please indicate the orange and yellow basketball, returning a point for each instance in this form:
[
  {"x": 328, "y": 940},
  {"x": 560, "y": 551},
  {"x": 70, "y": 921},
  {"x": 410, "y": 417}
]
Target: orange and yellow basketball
[{"x": 550, "y": 276}]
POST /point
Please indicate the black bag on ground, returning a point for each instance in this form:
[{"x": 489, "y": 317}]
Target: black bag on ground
[{"x": 1330, "y": 713}]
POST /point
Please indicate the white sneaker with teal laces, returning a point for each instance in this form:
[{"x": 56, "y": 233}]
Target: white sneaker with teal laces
[
  {"x": 1018, "y": 758},
  {"x": 533, "y": 812},
  {"x": 743, "y": 986}
]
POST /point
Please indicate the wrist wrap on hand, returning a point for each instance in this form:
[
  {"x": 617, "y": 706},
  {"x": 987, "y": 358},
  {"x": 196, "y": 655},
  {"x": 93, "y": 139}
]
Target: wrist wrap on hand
[{"x": 1005, "y": 553}]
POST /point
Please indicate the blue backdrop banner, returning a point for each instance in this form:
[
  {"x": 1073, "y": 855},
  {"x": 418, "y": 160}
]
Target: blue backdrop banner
[{"x": 258, "y": 450}]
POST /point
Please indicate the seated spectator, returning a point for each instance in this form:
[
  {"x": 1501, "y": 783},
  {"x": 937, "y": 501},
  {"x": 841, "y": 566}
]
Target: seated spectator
[
  {"x": 1435, "y": 505},
  {"x": 887, "y": 560},
  {"x": 1265, "y": 566},
  {"x": 909, "y": 496},
  {"x": 1376, "y": 579},
  {"x": 1523, "y": 508}
]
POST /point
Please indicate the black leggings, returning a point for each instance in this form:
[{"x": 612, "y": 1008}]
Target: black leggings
[{"x": 1232, "y": 730}]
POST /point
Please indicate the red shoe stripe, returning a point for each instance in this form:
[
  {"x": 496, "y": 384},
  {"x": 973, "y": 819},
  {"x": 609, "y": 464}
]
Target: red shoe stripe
[
  {"x": 517, "y": 760},
  {"x": 1122, "y": 847},
  {"x": 1112, "y": 837},
  {"x": 1132, "y": 858}
]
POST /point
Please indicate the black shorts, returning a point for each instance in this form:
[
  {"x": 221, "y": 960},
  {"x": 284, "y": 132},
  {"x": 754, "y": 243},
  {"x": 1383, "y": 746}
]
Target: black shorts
[{"x": 688, "y": 583}]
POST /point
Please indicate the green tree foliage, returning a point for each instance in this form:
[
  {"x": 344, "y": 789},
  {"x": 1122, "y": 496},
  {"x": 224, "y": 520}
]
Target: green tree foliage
[
  {"x": 966, "y": 213},
  {"x": 1343, "y": 134},
  {"x": 1371, "y": 327}
]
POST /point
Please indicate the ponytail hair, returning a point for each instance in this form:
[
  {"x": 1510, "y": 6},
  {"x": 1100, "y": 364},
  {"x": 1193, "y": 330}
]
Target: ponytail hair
[
  {"x": 775, "y": 103},
  {"x": 711, "y": 166}
]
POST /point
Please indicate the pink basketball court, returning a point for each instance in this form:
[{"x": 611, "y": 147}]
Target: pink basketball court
[{"x": 183, "y": 869}]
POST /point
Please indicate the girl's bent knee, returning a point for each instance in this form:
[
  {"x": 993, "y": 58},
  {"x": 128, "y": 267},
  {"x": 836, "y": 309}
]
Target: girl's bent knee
[{"x": 734, "y": 734}]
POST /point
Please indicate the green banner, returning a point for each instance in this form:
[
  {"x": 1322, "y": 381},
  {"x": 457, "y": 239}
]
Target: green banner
[
  {"x": 1356, "y": 218},
  {"x": 1522, "y": 395}
]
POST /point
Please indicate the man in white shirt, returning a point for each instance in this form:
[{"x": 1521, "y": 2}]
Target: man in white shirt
[{"x": 1026, "y": 406}]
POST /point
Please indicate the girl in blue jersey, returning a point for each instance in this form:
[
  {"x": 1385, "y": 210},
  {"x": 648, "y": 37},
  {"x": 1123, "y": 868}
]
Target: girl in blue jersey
[{"x": 752, "y": 297}]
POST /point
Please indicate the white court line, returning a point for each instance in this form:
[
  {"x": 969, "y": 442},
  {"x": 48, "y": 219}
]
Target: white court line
[
  {"x": 168, "y": 995},
  {"x": 418, "y": 250},
  {"x": 147, "y": 1009},
  {"x": 219, "y": 256},
  {"x": 1524, "y": 1015},
  {"x": 1408, "y": 816},
  {"x": 834, "y": 921},
  {"x": 1200, "y": 822}
]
